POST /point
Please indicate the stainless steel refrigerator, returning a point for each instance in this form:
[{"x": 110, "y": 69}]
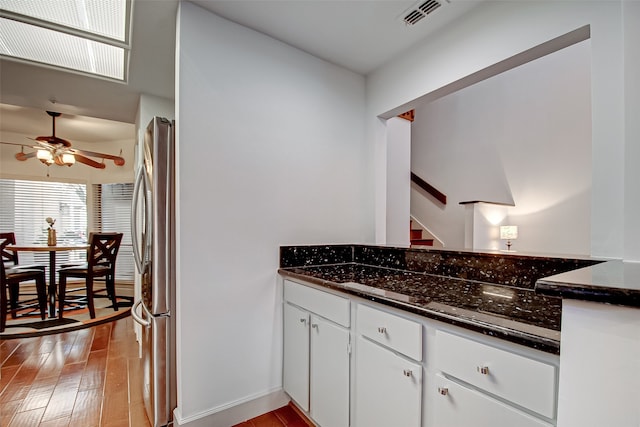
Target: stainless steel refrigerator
[{"x": 153, "y": 231}]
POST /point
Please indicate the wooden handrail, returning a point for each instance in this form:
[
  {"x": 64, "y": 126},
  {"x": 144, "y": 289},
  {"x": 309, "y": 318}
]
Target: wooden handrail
[{"x": 429, "y": 188}]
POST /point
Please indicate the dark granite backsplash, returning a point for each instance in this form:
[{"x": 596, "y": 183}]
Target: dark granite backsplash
[
  {"x": 500, "y": 268},
  {"x": 301, "y": 256}
]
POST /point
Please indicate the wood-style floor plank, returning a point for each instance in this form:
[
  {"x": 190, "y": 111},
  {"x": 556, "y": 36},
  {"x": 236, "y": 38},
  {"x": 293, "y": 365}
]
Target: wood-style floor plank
[
  {"x": 87, "y": 409},
  {"x": 287, "y": 416},
  {"x": 86, "y": 378}
]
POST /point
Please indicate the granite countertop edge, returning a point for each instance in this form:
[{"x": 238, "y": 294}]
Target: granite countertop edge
[
  {"x": 613, "y": 282},
  {"x": 545, "y": 340}
]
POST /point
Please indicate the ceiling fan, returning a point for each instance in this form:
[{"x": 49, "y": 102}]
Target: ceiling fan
[{"x": 53, "y": 150}]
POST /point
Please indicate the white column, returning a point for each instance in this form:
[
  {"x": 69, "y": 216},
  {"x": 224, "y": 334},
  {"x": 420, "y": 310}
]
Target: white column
[
  {"x": 398, "y": 206},
  {"x": 599, "y": 365}
]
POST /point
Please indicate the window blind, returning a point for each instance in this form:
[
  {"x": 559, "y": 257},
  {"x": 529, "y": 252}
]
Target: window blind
[
  {"x": 112, "y": 213},
  {"x": 24, "y": 206}
]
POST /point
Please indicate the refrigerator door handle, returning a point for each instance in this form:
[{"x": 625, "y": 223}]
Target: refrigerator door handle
[
  {"x": 138, "y": 319},
  {"x": 140, "y": 254},
  {"x": 137, "y": 251},
  {"x": 148, "y": 206}
]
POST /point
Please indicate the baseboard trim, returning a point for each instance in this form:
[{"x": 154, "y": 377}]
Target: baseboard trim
[{"x": 235, "y": 412}]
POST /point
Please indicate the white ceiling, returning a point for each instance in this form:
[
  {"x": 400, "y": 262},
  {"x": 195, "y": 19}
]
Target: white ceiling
[
  {"x": 35, "y": 122},
  {"x": 359, "y": 35}
]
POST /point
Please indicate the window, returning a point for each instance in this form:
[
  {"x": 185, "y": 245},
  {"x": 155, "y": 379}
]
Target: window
[
  {"x": 26, "y": 204},
  {"x": 88, "y": 36},
  {"x": 112, "y": 212}
]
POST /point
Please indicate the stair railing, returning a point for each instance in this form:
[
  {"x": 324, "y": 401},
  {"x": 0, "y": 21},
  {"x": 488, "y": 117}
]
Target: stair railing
[{"x": 429, "y": 188}]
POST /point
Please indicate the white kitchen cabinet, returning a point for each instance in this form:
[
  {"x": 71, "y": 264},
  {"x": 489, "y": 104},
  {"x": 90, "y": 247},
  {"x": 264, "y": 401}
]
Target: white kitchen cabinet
[
  {"x": 388, "y": 387},
  {"x": 457, "y": 406},
  {"x": 388, "y": 383},
  {"x": 329, "y": 372},
  {"x": 296, "y": 355},
  {"x": 456, "y": 378},
  {"x": 317, "y": 353}
]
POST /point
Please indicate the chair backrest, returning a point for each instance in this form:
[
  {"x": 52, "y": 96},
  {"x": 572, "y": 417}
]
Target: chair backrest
[
  {"x": 7, "y": 255},
  {"x": 103, "y": 250},
  {"x": 3, "y": 276}
]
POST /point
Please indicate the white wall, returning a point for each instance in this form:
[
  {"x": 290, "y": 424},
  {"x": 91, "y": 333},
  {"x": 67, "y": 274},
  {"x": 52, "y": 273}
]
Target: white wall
[
  {"x": 523, "y": 137},
  {"x": 501, "y": 30},
  {"x": 398, "y": 163},
  {"x": 271, "y": 152},
  {"x": 631, "y": 24}
]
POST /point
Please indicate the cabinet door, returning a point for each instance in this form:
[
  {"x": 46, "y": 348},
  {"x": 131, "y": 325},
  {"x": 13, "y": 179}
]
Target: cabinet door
[
  {"x": 329, "y": 373},
  {"x": 296, "y": 355},
  {"x": 456, "y": 406},
  {"x": 388, "y": 388}
]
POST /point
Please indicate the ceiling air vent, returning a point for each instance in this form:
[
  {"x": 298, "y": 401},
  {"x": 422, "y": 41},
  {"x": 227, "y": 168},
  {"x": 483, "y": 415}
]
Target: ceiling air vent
[{"x": 419, "y": 11}]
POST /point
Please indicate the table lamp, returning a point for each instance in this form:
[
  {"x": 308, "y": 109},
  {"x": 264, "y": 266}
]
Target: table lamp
[{"x": 508, "y": 233}]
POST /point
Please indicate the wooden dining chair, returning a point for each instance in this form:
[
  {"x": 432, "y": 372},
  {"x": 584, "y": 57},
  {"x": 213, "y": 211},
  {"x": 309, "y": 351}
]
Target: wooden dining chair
[
  {"x": 10, "y": 258},
  {"x": 10, "y": 279},
  {"x": 101, "y": 263}
]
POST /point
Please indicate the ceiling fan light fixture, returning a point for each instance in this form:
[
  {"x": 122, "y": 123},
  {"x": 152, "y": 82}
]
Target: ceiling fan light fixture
[
  {"x": 68, "y": 159},
  {"x": 44, "y": 156},
  {"x": 53, "y": 150}
]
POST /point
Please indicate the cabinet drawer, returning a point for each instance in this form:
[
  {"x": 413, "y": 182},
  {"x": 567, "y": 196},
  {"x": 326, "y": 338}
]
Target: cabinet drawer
[
  {"x": 456, "y": 406},
  {"x": 397, "y": 333},
  {"x": 523, "y": 381},
  {"x": 322, "y": 303}
]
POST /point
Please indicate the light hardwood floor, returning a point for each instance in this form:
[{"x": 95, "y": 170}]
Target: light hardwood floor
[
  {"x": 287, "y": 416},
  {"x": 90, "y": 377},
  {"x": 86, "y": 378}
]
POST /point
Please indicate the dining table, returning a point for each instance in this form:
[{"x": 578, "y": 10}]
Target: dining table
[{"x": 52, "y": 286}]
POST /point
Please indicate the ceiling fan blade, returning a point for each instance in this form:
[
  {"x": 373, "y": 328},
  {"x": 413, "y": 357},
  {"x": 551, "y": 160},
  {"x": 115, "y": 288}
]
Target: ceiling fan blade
[
  {"x": 19, "y": 145},
  {"x": 22, "y": 156},
  {"x": 41, "y": 144},
  {"x": 54, "y": 140},
  {"x": 89, "y": 162},
  {"x": 118, "y": 160}
]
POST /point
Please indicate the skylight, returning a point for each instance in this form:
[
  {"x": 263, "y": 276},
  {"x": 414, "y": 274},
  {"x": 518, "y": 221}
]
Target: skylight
[{"x": 88, "y": 36}]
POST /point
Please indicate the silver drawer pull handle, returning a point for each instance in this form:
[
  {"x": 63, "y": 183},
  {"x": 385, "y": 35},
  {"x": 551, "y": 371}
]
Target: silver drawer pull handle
[
  {"x": 303, "y": 320},
  {"x": 443, "y": 391},
  {"x": 382, "y": 330},
  {"x": 484, "y": 370},
  {"x": 407, "y": 372},
  {"x": 314, "y": 325}
]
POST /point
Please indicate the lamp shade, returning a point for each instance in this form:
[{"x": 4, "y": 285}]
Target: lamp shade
[
  {"x": 68, "y": 159},
  {"x": 508, "y": 232},
  {"x": 44, "y": 155}
]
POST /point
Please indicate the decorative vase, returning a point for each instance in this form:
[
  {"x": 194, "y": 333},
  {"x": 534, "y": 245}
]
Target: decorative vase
[{"x": 51, "y": 237}]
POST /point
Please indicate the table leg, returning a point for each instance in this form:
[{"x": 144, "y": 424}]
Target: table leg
[{"x": 52, "y": 284}]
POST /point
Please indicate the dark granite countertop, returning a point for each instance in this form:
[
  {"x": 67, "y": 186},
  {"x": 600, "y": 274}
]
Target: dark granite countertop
[
  {"x": 514, "y": 314},
  {"x": 611, "y": 282},
  {"x": 493, "y": 293}
]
